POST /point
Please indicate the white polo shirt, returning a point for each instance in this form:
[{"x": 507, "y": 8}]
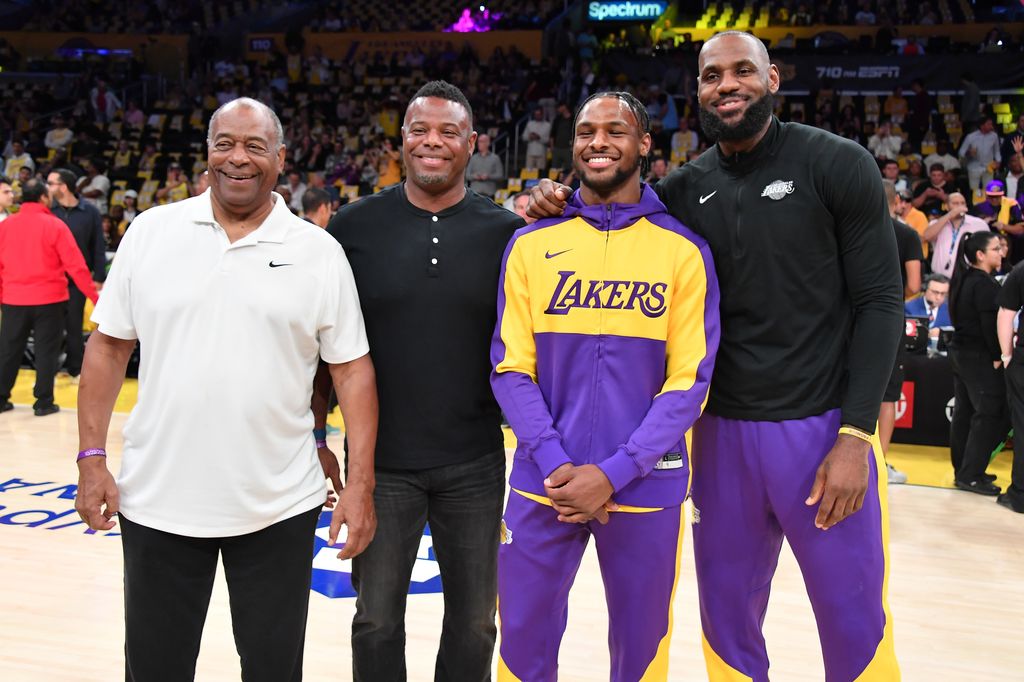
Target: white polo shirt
[{"x": 220, "y": 441}]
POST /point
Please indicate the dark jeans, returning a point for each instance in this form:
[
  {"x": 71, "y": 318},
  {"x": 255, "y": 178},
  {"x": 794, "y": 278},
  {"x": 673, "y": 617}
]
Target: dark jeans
[
  {"x": 73, "y": 327},
  {"x": 980, "y": 420},
  {"x": 462, "y": 503},
  {"x": 168, "y": 579},
  {"x": 46, "y": 324},
  {"x": 1015, "y": 398}
]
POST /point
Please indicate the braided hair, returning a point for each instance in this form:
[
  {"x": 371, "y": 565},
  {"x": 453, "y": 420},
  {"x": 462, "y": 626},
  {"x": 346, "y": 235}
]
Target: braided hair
[{"x": 643, "y": 119}]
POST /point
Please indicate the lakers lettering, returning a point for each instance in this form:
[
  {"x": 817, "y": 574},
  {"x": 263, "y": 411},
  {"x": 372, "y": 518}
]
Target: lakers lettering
[{"x": 574, "y": 292}]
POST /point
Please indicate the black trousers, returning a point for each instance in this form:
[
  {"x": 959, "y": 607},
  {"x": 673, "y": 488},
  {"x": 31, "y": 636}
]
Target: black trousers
[
  {"x": 167, "y": 584},
  {"x": 46, "y": 324},
  {"x": 980, "y": 419},
  {"x": 1015, "y": 399},
  {"x": 462, "y": 503},
  {"x": 75, "y": 317}
]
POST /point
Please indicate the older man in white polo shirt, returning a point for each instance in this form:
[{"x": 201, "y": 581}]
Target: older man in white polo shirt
[{"x": 234, "y": 301}]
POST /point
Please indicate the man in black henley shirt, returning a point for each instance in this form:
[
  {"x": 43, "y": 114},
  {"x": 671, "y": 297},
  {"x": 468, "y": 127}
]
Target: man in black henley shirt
[{"x": 426, "y": 255}]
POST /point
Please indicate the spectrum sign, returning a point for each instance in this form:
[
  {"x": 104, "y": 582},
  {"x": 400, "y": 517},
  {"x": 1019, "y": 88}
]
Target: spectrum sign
[{"x": 626, "y": 10}]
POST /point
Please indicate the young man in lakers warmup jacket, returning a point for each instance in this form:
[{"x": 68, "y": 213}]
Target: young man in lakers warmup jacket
[{"x": 606, "y": 337}]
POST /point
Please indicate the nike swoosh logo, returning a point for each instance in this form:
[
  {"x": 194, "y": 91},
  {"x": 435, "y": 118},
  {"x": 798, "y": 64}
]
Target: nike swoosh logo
[
  {"x": 278, "y": 265},
  {"x": 703, "y": 199},
  {"x": 548, "y": 254}
]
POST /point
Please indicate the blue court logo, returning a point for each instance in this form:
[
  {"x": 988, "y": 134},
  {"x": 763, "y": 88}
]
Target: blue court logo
[{"x": 332, "y": 577}]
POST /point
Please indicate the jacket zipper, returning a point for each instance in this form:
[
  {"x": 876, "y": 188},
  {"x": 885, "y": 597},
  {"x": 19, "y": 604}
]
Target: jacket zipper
[{"x": 609, "y": 217}]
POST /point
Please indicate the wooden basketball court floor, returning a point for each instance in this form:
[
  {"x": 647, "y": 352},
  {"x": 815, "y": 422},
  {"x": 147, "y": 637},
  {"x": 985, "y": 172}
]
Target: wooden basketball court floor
[{"x": 956, "y": 587}]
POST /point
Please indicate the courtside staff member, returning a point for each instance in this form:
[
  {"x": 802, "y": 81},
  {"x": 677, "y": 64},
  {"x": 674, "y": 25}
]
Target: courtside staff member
[
  {"x": 426, "y": 255},
  {"x": 234, "y": 300},
  {"x": 980, "y": 417},
  {"x": 37, "y": 255},
  {"x": 86, "y": 225},
  {"x": 1011, "y": 302},
  {"x": 811, "y": 315}
]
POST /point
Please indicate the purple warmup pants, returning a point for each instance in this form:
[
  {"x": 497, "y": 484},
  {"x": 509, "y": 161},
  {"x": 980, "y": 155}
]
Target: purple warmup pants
[
  {"x": 750, "y": 480},
  {"x": 537, "y": 562}
]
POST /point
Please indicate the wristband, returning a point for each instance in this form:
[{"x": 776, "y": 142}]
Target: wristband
[
  {"x": 91, "y": 452},
  {"x": 321, "y": 443},
  {"x": 856, "y": 433},
  {"x": 320, "y": 434}
]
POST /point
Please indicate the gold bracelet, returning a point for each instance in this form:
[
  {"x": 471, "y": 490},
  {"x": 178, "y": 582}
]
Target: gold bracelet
[{"x": 856, "y": 433}]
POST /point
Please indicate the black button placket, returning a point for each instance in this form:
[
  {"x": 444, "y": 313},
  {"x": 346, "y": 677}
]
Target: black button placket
[{"x": 434, "y": 255}]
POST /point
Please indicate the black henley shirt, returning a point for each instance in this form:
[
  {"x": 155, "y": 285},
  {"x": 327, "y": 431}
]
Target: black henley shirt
[{"x": 428, "y": 287}]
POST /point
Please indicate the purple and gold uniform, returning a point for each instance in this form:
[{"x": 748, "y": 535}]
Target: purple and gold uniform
[
  {"x": 811, "y": 313},
  {"x": 603, "y": 352}
]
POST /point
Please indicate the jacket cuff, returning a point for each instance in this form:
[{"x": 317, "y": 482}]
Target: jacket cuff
[
  {"x": 866, "y": 425},
  {"x": 550, "y": 455},
  {"x": 621, "y": 469}
]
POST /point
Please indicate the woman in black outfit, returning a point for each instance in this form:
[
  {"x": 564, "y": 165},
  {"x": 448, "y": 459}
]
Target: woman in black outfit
[{"x": 980, "y": 419}]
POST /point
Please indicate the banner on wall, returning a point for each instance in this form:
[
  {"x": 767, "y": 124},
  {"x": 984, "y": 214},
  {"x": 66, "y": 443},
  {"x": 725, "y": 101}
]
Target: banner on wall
[{"x": 853, "y": 72}]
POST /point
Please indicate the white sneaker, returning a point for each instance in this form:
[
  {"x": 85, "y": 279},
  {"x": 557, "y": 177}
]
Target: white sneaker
[{"x": 895, "y": 476}]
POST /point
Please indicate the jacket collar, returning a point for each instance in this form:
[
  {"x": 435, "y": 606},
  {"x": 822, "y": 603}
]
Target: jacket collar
[
  {"x": 745, "y": 161},
  {"x": 273, "y": 229},
  {"x": 30, "y": 207},
  {"x": 615, "y": 216}
]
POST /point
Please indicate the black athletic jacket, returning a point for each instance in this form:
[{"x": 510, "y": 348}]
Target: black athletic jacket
[{"x": 811, "y": 307}]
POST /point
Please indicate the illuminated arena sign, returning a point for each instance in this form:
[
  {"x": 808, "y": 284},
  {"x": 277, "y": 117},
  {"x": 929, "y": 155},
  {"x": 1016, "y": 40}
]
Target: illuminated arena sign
[
  {"x": 626, "y": 10},
  {"x": 332, "y": 577}
]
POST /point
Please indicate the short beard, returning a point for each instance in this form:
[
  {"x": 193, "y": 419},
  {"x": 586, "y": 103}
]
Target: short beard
[
  {"x": 428, "y": 179},
  {"x": 753, "y": 120},
  {"x": 603, "y": 187}
]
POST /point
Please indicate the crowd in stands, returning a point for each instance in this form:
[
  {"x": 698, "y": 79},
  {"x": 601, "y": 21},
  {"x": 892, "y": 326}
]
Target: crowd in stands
[
  {"x": 870, "y": 13},
  {"x": 114, "y": 16},
  {"x": 342, "y": 117},
  {"x": 405, "y": 15}
]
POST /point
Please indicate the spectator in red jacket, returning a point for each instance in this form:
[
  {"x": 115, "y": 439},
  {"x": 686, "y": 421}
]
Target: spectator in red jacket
[{"x": 37, "y": 250}]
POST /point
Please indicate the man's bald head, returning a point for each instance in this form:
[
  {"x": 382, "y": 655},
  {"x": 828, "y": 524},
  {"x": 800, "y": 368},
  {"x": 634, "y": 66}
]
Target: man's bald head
[
  {"x": 760, "y": 55},
  {"x": 249, "y": 103}
]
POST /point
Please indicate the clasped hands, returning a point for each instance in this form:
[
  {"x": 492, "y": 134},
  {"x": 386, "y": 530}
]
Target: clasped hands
[{"x": 580, "y": 493}]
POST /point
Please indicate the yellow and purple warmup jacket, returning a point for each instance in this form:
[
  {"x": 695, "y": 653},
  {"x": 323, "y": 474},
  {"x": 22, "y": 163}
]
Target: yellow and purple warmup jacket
[{"x": 605, "y": 342}]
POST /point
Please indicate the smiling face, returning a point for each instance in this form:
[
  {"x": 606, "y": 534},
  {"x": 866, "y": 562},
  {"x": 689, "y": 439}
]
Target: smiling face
[
  {"x": 736, "y": 84},
  {"x": 438, "y": 141},
  {"x": 245, "y": 158},
  {"x": 608, "y": 147}
]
